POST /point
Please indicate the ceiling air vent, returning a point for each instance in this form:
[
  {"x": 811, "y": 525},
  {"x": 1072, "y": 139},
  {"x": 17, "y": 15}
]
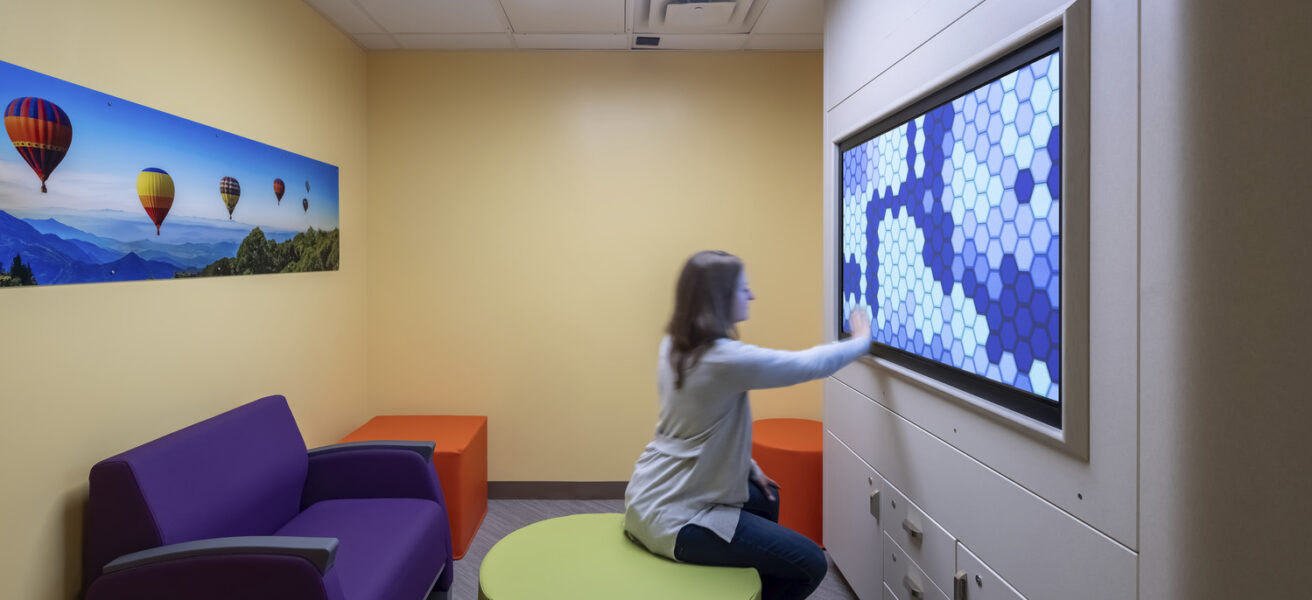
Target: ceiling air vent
[
  {"x": 646, "y": 41},
  {"x": 698, "y": 16}
]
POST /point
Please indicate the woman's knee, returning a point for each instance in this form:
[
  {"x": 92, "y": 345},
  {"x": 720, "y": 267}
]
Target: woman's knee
[
  {"x": 806, "y": 571},
  {"x": 814, "y": 565}
]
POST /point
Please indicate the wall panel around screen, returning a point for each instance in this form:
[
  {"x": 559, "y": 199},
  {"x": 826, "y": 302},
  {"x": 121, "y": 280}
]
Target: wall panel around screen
[
  {"x": 951, "y": 232},
  {"x": 95, "y": 188}
]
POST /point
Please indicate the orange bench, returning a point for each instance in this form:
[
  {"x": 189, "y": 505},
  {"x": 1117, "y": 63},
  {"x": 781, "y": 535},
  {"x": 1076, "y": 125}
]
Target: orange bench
[
  {"x": 460, "y": 460},
  {"x": 790, "y": 452}
]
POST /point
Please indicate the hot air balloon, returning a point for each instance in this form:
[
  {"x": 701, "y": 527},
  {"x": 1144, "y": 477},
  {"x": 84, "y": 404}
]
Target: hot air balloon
[
  {"x": 307, "y": 186},
  {"x": 305, "y": 204},
  {"x": 278, "y": 189},
  {"x": 231, "y": 191},
  {"x": 41, "y": 133},
  {"x": 155, "y": 188}
]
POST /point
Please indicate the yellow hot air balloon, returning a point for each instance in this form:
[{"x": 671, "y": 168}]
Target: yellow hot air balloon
[
  {"x": 230, "y": 190},
  {"x": 155, "y": 188}
]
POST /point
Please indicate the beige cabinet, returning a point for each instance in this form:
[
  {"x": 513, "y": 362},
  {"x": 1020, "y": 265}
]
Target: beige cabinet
[
  {"x": 851, "y": 524},
  {"x": 923, "y": 540},
  {"x": 904, "y": 577},
  {"x": 976, "y": 581}
]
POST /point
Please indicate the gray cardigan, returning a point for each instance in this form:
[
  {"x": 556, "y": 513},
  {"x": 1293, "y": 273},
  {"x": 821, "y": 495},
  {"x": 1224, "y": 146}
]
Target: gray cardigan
[{"x": 696, "y": 469}]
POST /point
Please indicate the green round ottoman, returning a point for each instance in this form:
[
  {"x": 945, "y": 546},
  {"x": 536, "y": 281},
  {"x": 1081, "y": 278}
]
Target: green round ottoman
[{"x": 588, "y": 556}]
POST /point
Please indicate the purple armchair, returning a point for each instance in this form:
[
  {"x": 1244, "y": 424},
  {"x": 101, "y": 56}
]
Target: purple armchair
[{"x": 235, "y": 507}]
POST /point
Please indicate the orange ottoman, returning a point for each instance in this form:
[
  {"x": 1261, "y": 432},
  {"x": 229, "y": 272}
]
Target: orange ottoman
[
  {"x": 789, "y": 451},
  {"x": 460, "y": 460}
]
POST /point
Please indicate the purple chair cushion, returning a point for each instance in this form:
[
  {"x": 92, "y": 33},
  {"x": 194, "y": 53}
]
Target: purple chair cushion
[
  {"x": 388, "y": 547},
  {"x": 370, "y": 473},
  {"x": 239, "y": 473}
]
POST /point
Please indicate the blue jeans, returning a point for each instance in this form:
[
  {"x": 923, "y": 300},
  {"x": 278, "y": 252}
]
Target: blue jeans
[{"x": 791, "y": 565}]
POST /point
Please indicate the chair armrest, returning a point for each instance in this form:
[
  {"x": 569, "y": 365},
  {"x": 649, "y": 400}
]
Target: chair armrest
[
  {"x": 319, "y": 551},
  {"x": 223, "y": 576},
  {"x": 371, "y": 470},
  {"x": 425, "y": 449}
]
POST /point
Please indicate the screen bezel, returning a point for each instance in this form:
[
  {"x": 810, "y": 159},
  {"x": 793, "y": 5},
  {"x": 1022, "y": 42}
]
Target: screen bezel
[{"x": 1030, "y": 405}]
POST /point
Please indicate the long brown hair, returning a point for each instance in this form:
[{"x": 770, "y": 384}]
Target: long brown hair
[{"x": 703, "y": 308}]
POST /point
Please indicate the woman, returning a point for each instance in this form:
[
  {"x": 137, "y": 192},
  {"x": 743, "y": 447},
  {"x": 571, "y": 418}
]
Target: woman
[{"x": 696, "y": 495}]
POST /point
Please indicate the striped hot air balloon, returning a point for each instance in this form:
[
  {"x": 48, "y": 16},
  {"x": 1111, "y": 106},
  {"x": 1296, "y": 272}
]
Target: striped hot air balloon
[
  {"x": 155, "y": 188},
  {"x": 41, "y": 133},
  {"x": 230, "y": 190},
  {"x": 305, "y": 204},
  {"x": 278, "y": 188}
]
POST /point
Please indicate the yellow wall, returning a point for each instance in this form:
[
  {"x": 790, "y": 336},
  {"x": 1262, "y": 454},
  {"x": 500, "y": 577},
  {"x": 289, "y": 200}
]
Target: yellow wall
[
  {"x": 87, "y": 371},
  {"x": 529, "y": 213}
]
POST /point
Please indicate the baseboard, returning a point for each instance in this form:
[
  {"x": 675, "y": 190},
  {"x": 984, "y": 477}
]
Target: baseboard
[{"x": 556, "y": 490}]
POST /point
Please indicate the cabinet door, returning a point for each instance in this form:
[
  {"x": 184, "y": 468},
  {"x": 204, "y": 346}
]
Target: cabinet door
[
  {"x": 851, "y": 528},
  {"x": 980, "y": 582}
]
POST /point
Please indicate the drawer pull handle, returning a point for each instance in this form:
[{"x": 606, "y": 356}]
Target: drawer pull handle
[
  {"x": 912, "y": 529},
  {"x": 912, "y": 587},
  {"x": 959, "y": 586},
  {"x": 874, "y": 504}
]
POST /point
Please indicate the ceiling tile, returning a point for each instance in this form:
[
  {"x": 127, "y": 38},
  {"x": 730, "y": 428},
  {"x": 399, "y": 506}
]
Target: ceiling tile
[
  {"x": 453, "y": 41},
  {"x": 435, "y": 16},
  {"x": 785, "y": 41},
  {"x": 792, "y": 16},
  {"x": 565, "y": 16},
  {"x": 701, "y": 42},
  {"x": 376, "y": 41},
  {"x": 345, "y": 15},
  {"x": 592, "y": 41}
]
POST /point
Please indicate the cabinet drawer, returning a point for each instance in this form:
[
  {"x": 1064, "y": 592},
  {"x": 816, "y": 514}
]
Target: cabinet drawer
[
  {"x": 851, "y": 529},
  {"x": 928, "y": 544},
  {"x": 981, "y": 583},
  {"x": 906, "y": 579}
]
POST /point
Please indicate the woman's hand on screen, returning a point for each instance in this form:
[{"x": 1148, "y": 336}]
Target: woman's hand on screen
[{"x": 860, "y": 323}]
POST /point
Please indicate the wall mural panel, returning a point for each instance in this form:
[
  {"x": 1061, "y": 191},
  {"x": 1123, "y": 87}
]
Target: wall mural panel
[{"x": 100, "y": 189}]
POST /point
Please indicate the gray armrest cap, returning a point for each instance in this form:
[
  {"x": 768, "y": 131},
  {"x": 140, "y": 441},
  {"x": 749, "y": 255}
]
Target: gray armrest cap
[
  {"x": 320, "y": 551},
  {"x": 425, "y": 449}
]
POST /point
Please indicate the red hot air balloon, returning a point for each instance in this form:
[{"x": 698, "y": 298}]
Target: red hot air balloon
[
  {"x": 41, "y": 133},
  {"x": 305, "y": 204},
  {"x": 278, "y": 188}
]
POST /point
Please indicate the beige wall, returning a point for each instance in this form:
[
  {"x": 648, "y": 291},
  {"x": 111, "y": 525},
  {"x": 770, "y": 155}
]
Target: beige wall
[
  {"x": 1226, "y": 322},
  {"x": 91, "y": 370},
  {"x": 529, "y": 213}
]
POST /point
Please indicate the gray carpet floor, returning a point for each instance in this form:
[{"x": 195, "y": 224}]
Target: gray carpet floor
[{"x": 505, "y": 516}]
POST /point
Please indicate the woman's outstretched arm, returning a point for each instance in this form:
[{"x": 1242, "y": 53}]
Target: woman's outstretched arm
[{"x": 747, "y": 367}]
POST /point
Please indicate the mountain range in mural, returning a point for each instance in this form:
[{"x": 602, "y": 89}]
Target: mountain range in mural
[{"x": 58, "y": 253}]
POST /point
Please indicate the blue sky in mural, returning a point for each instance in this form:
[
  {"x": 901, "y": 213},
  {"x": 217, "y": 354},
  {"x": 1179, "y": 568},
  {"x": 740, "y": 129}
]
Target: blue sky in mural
[{"x": 94, "y": 187}]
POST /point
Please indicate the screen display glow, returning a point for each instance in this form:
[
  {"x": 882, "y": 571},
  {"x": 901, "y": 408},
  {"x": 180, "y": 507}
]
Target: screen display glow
[{"x": 951, "y": 231}]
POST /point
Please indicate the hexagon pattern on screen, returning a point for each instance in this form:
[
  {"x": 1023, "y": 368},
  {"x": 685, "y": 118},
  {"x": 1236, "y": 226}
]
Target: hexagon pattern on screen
[{"x": 952, "y": 228}]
